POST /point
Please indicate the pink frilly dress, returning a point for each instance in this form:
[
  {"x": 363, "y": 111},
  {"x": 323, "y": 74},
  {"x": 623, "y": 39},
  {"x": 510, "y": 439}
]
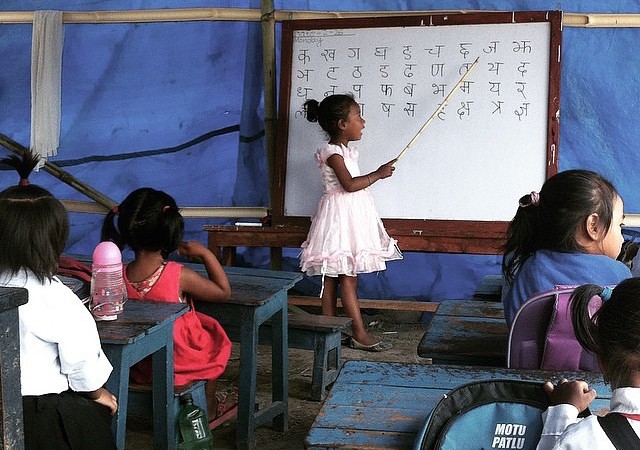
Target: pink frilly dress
[{"x": 346, "y": 236}]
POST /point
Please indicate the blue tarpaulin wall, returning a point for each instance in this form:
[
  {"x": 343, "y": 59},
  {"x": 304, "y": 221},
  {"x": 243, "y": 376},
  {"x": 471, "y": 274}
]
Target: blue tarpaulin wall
[{"x": 179, "y": 107}]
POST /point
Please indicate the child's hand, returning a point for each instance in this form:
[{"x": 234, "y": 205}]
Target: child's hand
[
  {"x": 576, "y": 393},
  {"x": 386, "y": 170},
  {"x": 192, "y": 249},
  {"x": 105, "y": 398}
]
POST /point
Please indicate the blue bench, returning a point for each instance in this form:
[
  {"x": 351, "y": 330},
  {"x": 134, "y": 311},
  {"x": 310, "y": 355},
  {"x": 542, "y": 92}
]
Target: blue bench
[
  {"x": 319, "y": 333},
  {"x": 322, "y": 334}
]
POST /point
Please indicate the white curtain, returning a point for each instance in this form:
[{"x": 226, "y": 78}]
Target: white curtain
[{"x": 46, "y": 85}]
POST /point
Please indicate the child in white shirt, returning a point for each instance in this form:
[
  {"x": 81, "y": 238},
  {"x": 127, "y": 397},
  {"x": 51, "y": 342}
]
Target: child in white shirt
[
  {"x": 63, "y": 368},
  {"x": 613, "y": 334}
]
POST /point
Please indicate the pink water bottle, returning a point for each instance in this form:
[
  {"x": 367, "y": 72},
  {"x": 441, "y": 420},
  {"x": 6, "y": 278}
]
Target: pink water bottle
[{"x": 108, "y": 292}]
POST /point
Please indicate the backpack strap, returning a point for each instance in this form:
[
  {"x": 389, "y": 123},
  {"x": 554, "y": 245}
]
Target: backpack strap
[{"x": 619, "y": 431}]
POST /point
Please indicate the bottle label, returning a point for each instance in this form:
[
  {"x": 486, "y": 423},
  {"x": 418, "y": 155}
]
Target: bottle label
[{"x": 198, "y": 429}]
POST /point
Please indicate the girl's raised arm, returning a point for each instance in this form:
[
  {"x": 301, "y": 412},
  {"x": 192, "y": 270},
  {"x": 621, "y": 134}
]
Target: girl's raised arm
[
  {"x": 216, "y": 288},
  {"x": 352, "y": 184}
]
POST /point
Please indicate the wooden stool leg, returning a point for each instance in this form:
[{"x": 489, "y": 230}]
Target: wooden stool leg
[
  {"x": 320, "y": 366},
  {"x": 334, "y": 358}
]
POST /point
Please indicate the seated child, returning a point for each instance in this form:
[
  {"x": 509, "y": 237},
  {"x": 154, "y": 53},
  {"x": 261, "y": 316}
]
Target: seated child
[
  {"x": 568, "y": 234},
  {"x": 150, "y": 223},
  {"x": 613, "y": 334},
  {"x": 63, "y": 368}
]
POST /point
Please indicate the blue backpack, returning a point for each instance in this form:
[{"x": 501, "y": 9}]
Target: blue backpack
[{"x": 487, "y": 414}]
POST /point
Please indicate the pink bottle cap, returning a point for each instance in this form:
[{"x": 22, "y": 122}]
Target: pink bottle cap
[{"x": 107, "y": 253}]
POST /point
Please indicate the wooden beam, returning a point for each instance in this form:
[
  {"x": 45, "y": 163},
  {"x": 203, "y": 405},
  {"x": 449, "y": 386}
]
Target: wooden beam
[{"x": 397, "y": 305}]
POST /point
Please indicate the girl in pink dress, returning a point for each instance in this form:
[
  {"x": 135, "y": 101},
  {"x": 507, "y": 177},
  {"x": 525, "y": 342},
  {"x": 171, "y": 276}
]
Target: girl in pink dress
[
  {"x": 150, "y": 222},
  {"x": 346, "y": 236}
]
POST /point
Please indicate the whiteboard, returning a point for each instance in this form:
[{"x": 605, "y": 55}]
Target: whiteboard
[{"x": 489, "y": 145}]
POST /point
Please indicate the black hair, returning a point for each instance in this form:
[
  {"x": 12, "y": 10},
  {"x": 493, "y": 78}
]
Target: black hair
[
  {"x": 613, "y": 332},
  {"x": 34, "y": 225},
  {"x": 148, "y": 219},
  {"x": 551, "y": 220},
  {"x": 329, "y": 111}
]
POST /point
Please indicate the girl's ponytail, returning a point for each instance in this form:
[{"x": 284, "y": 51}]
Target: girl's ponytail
[
  {"x": 522, "y": 235},
  {"x": 24, "y": 165},
  {"x": 311, "y": 109},
  {"x": 584, "y": 325},
  {"x": 110, "y": 231},
  {"x": 173, "y": 226},
  {"x": 613, "y": 333}
]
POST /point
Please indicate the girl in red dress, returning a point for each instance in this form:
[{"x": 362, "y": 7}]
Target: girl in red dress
[{"x": 150, "y": 223}]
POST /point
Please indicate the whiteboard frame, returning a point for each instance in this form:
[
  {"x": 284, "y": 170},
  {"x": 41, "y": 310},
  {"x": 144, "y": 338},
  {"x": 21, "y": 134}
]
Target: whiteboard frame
[{"x": 453, "y": 236}]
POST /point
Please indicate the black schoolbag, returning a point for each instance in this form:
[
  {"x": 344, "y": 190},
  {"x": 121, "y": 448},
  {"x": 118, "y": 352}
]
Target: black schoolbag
[{"x": 486, "y": 414}]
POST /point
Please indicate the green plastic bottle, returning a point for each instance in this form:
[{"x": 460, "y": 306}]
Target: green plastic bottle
[{"x": 194, "y": 426}]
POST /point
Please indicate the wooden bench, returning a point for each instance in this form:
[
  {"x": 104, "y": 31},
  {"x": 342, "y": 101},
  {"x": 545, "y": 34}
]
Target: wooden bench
[
  {"x": 322, "y": 334},
  {"x": 472, "y": 332},
  {"x": 319, "y": 333}
]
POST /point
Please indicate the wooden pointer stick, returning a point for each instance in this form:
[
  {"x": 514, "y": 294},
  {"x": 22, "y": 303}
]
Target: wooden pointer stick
[{"x": 442, "y": 105}]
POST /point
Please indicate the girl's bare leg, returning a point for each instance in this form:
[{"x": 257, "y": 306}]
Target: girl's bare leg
[
  {"x": 352, "y": 309},
  {"x": 330, "y": 296}
]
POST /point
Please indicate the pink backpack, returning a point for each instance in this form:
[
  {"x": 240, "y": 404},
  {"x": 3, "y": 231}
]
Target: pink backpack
[{"x": 542, "y": 336}]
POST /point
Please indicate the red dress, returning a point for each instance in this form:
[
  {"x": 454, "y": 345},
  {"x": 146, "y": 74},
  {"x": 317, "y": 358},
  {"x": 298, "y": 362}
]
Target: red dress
[{"x": 200, "y": 345}]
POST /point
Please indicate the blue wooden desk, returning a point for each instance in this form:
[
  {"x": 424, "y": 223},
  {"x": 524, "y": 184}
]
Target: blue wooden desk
[
  {"x": 466, "y": 332},
  {"x": 143, "y": 328},
  {"x": 257, "y": 295},
  {"x": 12, "y": 433},
  {"x": 378, "y": 405}
]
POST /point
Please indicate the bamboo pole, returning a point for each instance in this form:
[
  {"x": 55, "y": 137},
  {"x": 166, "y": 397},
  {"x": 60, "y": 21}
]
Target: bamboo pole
[
  {"x": 203, "y": 14},
  {"x": 270, "y": 100},
  {"x": 588, "y": 20},
  {"x": 632, "y": 220},
  {"x": 188, "y": 212},
  {"x": 601, "y": 20},
  {"x": 140, "y": 16}
]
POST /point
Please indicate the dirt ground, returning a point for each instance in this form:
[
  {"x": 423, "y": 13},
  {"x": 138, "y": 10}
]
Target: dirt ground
[{"x": 403, "y": 329}]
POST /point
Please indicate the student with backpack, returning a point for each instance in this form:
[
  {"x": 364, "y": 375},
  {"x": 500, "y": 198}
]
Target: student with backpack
[
  {"x": 613, "y": 334},
  {"x": 570, "y": 233}
]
